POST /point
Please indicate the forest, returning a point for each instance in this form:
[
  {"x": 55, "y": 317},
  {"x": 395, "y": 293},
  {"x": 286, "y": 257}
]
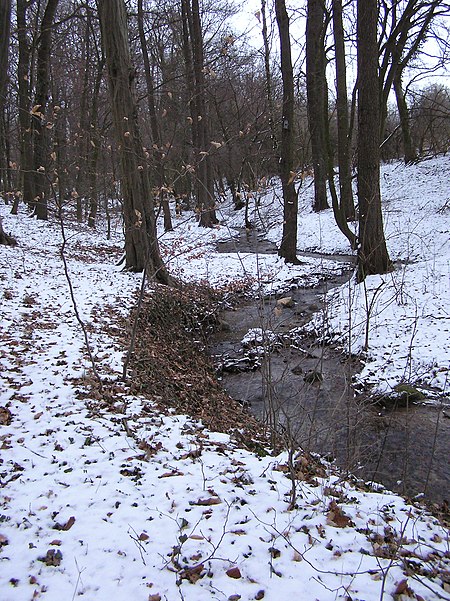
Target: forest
[{"x": 224, "y": 291}]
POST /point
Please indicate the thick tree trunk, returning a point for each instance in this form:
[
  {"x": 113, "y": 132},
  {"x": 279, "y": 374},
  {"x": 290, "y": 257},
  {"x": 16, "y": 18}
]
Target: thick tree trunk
[
  {"x": 373, "y": 257},
  {"x": 5, "y": 238},
  {"x": 141, "y": 243},
  {"x": 288, "y": 248},
  {"x": 205, "y": 183},
  {"x": 41, "y": 152},
  {"x": 317, "y": 98}
]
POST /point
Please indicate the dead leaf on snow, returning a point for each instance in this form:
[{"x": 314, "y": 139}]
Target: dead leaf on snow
[
  {"x": 67, "y": 526},
  {"x": 192, "y": 574},
  {"x": 209, "y": 501},
  {"x": 156, "y": 597},
  {"x": 171, "y": 474},
  {"x": 336, "y": 517},
  {"x": 234, "y": 573},
  {"x": 52, "y": 558},
  {"x": 5, "y": 416}
]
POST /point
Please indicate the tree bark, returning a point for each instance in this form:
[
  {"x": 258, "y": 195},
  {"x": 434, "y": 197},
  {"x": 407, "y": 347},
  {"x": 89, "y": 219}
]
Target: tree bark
[
  {"x": 346, "y": 204},
  {"x": 154, "y": 126},
  {"x": 409, "y": 151},
  {"x": 205, "y": 183},
  {"x": 41, "y": 158},
  {"x": 373, "y": 257},
  {"x": 288, "y": 247},
  {"x": 141, "y": 243},
  {"x": 317, "y": 98},
  {"x": 23, "y": 79},
  {"x": 5, "y": 28},
  {"x": 5, "y": 238},
  {"x": 268, "y": 74}
]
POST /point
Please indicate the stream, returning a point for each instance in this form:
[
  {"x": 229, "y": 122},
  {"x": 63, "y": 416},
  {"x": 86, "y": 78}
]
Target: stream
[{"x": 305, "y": 389}]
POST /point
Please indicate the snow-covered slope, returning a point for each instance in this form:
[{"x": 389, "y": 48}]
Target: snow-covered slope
[{"x": 104, "y": 497}]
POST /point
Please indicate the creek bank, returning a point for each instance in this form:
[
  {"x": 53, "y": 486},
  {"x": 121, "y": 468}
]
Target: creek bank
[{"x": 305, "y": 390}]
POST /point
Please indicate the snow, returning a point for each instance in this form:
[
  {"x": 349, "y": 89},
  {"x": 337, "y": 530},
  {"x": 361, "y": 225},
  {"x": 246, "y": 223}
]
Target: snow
[{"x": 106, "y": 497}]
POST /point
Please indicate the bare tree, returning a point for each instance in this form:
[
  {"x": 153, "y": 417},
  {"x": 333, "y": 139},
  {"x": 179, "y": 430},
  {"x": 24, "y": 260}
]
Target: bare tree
[
  {"x": 346, "y": 207},
  {"x": 288, "y": 247},
  {"x": 194, "y": 55},
  {"x": 141, "y": 243},
  {"x": 39, "y": 121},
  {"x": 317, "y": 94},
  {"x": 154, "y": 125},
  {"x": 5, "y": 26},
  {"x": 373, "y": 256}
]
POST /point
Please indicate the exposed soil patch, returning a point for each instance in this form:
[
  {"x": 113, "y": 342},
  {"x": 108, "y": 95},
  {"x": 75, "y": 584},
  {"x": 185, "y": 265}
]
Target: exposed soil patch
[{"x": 171, "y": 367}]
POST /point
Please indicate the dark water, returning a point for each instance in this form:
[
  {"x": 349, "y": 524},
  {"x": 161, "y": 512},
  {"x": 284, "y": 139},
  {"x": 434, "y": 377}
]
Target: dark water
[{"x": 305, "y": 390}]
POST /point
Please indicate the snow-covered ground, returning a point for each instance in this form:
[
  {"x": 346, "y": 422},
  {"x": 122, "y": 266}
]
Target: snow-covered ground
[{"x": 113, "y": 500}]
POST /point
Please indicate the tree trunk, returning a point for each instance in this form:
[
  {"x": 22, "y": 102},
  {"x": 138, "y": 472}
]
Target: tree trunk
[
  {"x": 372, "y": 252},
  {"x": 5, "y": 238},
  {"x": 23, "y": 80},
  {"x": 288, "y": 248},
  {"x": 141, "y": 243},
  {"x": 408, "y": 147},
  {"x": 268, "y": 75},
  {"x": 347, "y": 206},
  {"x": 41, "y": 152},
  {"x": 5, "y": 27},
  {"x": 94, "y": 146},
  {"x": 205, "y": 184},
  {"x": 317, "y": 98},
  {"x": 156, "y": 134}
]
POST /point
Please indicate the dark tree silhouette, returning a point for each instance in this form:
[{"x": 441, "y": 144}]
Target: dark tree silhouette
[{"x": 372, "y": 252}]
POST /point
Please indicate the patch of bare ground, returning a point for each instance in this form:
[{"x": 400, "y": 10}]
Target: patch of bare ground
[{"x": 170, "y": 365}]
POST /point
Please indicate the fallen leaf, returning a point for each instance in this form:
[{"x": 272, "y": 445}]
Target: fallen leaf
[
  {"x": 5, "y": 416},
  {"x": 170, "y": 474},
  {"x": 260, "y": 595},
  {"x": 156, "y": 597},
  {"x": 67, "y": 526},
  {"x": 192, "y": 574},
  {"x": 52, "y": 558},
  {"x": 209, "y": 501},
  {"x": 234, "y": 573},
  {"x": 336, "y": 517}
]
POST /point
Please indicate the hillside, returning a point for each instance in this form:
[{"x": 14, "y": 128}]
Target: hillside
[{"x": 105, "y": 494}]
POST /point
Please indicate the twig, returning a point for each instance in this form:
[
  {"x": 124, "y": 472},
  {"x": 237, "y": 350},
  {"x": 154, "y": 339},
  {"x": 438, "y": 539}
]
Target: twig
[{"x": 69, "y": 282}]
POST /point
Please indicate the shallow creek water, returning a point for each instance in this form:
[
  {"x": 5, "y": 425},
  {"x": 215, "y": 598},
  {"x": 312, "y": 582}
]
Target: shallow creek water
[{"x": 306, "y": 389}]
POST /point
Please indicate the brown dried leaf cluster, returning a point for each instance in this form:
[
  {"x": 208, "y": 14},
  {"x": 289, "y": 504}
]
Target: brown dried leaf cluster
[{"x": 171, "y": 366}]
